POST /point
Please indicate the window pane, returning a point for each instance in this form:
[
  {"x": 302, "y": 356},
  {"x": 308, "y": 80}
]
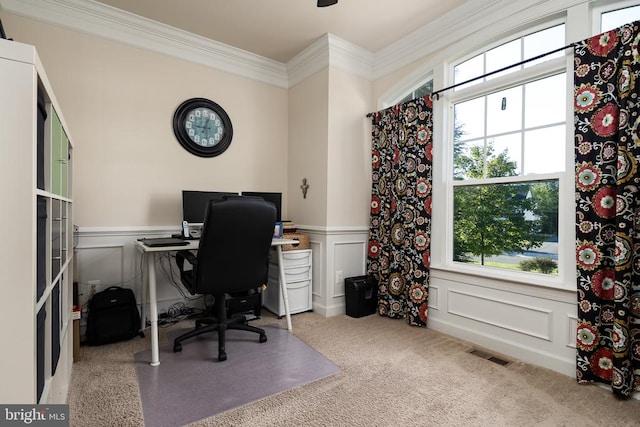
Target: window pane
[
  {"x": 502, "y": 56},
  {"x": 504, "y": 111},
  {"x": 510, "y": 147},
  {"x": 545, "y": 101},
  {"x": 423, "y": 90},
  {"x": 493, "y": 158},
  {"x": 544, "y": 41},
  {"x": 511, "y": 53},
  {"x": 461, "y": 154},
  {"x": 618, "y": 18},
  {"x": 419, "y": 92},
  {"x": 544, "y": 150},
  {"x": 513, "y": 226},
  {"x": 469, "y": 69},
  {"x": 468, "y": 118}
]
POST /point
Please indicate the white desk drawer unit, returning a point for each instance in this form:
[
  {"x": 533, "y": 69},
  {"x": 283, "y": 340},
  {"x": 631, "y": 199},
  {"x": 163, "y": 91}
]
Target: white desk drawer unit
[
  {"x": 297, "y": 270},
  {"x": 297, "y": 258}
]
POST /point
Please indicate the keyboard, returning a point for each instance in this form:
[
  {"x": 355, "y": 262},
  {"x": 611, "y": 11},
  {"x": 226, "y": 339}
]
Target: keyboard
[{"x": 164, "y": 241}]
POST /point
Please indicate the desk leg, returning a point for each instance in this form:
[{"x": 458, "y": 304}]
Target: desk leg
[
  {"x": 145, "y": 285},
  {"x": 283, "y": 287},
  {"x": 153, "y": 309}
]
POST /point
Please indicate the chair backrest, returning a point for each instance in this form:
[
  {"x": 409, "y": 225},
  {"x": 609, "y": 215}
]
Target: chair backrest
[{"x": 233, "y": 255}]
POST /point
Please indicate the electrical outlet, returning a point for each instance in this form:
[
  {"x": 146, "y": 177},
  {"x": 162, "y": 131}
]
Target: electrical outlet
[{"x": 339, "y": 276}]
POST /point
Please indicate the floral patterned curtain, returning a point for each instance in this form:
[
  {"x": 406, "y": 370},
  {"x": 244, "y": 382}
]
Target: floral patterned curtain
[
  {"x": 400, "y": 231},
  {"x": 607, "y": 152}
]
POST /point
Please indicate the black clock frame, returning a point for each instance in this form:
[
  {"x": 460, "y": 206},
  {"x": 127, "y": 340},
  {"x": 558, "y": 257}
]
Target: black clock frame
[{"x": 183, "y": 137}]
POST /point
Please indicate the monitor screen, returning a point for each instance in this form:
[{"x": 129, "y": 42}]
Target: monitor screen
[
  {"x": 194, "y": 203},
  {"x": 275, "y": 198}
]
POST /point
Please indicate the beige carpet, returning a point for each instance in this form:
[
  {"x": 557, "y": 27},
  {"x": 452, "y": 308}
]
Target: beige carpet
[{"x": 391, "y": 375}]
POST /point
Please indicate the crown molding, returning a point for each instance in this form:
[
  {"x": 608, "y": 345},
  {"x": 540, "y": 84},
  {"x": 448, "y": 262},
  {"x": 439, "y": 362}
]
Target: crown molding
[
  {"x": 90, "y": 17},
  {"x": 350, "y": 57},
  {"x": 491, "y": 18},
  {"x": 330, "y": 51},
  {"x": 312, "y": 59},
  {"x": 433, "y": 37},
  {"x": 479, "y": 16}
]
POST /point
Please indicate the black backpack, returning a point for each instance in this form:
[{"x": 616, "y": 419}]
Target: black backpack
[{"x": 113, "y": 316}]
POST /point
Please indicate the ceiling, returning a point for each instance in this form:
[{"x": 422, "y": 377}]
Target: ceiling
[{"x": 280, "y": 29}]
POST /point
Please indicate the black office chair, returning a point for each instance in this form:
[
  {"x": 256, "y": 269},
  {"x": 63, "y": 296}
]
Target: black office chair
[{"x": 233, "y": 257}]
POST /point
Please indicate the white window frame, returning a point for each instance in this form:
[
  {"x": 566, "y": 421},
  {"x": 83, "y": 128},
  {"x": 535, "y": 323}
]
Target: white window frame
[{"x": 566, "y": 258}]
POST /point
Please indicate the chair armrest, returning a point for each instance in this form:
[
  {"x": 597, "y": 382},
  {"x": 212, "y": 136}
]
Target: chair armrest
[
  {"x": 182, "y": 256},
  {"x": 187, "y": 276}
]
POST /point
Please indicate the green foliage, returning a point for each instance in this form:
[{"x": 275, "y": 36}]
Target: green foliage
[
  {"x": 491, "y": 219},
  {"x": 543, "y": 265},
  {"x": 483, "y": 163},
  {"x": 546, "y": 196}
]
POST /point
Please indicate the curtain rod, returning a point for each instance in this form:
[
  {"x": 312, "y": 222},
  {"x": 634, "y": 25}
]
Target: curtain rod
[{"x": 542, "y": 55}]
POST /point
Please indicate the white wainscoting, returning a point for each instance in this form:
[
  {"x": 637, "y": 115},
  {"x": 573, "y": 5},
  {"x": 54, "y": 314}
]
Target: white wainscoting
[
  {"x": 495, "y": 311},
  {"x": 535, "y": 325},
  {"x": 338, "y": 253},
  {"x": 526, "y": 323},
  {"x": 108, "y": 255}
]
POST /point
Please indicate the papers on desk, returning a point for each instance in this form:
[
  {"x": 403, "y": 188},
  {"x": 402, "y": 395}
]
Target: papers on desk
[{"x": 289, "y": 227}]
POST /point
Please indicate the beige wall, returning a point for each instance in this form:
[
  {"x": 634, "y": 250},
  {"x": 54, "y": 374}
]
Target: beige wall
[
  {"x": 330, "y": 146},
  {"x": 119, "y": 102},
  {"x": 308, "y": 122},
  {"x": 129, "y": 169},
  {"x": 349, "y": 149}
]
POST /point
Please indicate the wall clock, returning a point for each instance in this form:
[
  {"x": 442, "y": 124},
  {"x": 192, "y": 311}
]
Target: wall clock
[{"x": 202, "y": 127}]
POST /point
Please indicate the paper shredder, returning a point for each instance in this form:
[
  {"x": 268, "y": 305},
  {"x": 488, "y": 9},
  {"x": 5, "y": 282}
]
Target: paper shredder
[{"x": 361, "y": 294}]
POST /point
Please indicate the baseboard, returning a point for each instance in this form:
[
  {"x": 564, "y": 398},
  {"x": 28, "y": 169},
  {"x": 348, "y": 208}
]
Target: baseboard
[{"x": 332, "y": 311}]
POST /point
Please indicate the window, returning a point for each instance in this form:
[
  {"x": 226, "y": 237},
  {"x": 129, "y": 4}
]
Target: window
[
  {"x": 619, "y": 17},
  {"x": 512, "y": 52},
  {"x": 512, "y": 225},
  {"x": 505, "y": 164},
  {"x": 524, "y": 124},
  {"x": 419, "y": 92},
  {"x": 509, "y": 141}
]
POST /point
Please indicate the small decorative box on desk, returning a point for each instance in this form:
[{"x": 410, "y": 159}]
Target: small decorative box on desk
[{"x": 303, "y": 241}]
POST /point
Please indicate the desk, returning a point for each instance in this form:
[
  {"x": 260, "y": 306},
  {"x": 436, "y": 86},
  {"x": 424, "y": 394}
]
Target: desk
[{"x": 149, "y": 276}]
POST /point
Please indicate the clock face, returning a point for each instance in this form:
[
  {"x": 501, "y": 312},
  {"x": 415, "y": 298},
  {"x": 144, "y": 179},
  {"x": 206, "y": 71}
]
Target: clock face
[{"x": 202, "y": 127}]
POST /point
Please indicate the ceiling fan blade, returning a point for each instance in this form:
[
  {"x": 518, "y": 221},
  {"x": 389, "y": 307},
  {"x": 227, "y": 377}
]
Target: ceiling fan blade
[{"x": 324, "y": 3}]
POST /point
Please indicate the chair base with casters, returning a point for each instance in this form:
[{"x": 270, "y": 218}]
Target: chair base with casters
[{"x": 219, "y": 324}]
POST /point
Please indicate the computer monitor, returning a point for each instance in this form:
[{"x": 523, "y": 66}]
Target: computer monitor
[
  {"x": 275, "y": 198},
  {"x": 194, "y": 203}
]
